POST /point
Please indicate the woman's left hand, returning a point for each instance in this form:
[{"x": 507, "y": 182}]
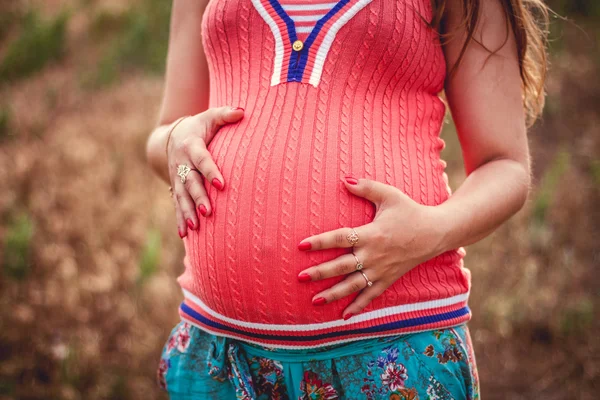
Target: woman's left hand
[{"x": 402, "y": 235}]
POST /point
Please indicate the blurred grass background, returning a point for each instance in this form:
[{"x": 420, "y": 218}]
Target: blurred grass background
[{"x": 88, "y": 246}]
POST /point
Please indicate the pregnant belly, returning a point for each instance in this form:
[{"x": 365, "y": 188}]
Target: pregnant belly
[{"x": 244, "y": 260}]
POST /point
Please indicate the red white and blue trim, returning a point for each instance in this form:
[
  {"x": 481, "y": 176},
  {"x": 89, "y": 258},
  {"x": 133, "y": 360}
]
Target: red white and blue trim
[
  {"x": 406, "y": 318},
  {"x": 315, "y": 23}
]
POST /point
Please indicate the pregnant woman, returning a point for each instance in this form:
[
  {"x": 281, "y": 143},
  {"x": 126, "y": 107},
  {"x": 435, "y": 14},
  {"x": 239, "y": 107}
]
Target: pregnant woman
[{"x": 323, "y": 248}]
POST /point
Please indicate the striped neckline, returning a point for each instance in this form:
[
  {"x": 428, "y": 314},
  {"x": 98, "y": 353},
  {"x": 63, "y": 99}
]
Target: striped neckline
[
  {"x": 298, "y": 17},
  {"x": 292, "y": 21}
]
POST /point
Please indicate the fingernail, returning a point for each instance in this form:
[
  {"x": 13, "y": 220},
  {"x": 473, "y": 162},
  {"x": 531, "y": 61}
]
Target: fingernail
[
  {"x": 348, "y": 316},
  {"x": 202, "y": 210},
  {"x": 304, "y": 246},
  {"x": 304, "y": 277},
  {"x": 216, "y": 183},
  {"x": 351, "y": 180},
  {"x": 319, "y": 301},
  {"x": 182, "y": 233},
  {"x": 190, "y": 224},
  {"x": 236, "y": 108}
]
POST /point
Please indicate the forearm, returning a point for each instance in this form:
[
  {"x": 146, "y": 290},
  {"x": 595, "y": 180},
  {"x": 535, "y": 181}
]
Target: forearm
[
  {"x": 489, "y": 196},
  {"x": 187, "y": 80},
  {"x": 156, "y": 151}
]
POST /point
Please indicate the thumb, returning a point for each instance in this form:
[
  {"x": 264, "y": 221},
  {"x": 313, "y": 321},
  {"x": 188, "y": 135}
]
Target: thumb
[
  {"x": 227, "y": 114},
  {"x": 375, "y": 191}
]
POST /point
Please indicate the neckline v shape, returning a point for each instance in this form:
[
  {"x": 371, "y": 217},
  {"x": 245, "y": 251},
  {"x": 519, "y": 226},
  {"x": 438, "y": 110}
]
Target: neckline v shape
[
  {"x": 303, "y": 61},
  {"x": 304, "y": 11}
]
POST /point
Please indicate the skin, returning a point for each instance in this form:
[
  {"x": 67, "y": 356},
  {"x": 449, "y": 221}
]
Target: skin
[
  {"x": 484, "y": 97},
  {"x": 186, "y": 93}
]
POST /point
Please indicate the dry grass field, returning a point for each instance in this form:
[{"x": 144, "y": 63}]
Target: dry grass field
[{"x": 89, "y": 251}]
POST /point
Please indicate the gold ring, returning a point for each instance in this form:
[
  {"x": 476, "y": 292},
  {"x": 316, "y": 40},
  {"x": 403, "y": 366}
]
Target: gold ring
[
  {"x": 359, "y": 265},
  {"x": 182, "y": 171},
  {"x": 171, "y": 190},
  {"x": 352, "y": 237},
  {"x": 369, "y": 283}
]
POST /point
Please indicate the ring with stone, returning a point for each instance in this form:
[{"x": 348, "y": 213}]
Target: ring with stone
[
  {"x": 352, "y": 237},
  {"x": 182, "y": 171}
]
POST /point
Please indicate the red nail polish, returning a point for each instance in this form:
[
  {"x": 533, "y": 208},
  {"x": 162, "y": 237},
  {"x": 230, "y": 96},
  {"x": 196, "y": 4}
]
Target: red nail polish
[
  {"x": 319, "y": 301},
  {"x": 304, "y": 277},
  {"x": 237, "y": 108},
  {"x": 348, "y": 316},
  {"x": 216, "y": 183},
  {"x": 351, "y": 180},
  {"x": 304, "y": 246},
  {"x": 182, "y": 233},
  {"x": 190, "y": 224},
  {"x": 202, "y": 210}
]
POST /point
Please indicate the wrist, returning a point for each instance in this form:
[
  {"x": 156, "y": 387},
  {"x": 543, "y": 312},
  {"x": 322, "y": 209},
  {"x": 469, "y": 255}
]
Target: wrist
[
  {"x": 155, "y": 152},
  {"x": 170, "y": 132},
  {"x": 443, "y": 225}
]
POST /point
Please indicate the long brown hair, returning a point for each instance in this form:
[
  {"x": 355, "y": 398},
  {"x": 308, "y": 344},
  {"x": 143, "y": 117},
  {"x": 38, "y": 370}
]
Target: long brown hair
[{"x": 529, "y": 22}]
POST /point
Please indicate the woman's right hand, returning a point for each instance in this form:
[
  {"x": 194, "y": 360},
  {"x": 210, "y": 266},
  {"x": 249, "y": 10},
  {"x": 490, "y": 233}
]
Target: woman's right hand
[{"x": 188, "y": 145}]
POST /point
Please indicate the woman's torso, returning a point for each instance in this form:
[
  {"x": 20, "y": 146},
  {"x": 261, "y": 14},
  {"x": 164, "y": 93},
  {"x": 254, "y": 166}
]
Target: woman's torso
[{"x": 362, "y": 101}]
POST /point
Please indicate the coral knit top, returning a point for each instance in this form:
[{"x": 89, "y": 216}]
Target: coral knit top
[{"x": 329, "y": 89}]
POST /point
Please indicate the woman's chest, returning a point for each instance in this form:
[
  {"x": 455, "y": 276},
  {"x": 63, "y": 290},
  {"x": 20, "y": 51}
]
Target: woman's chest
[{"x": 300, "y": 37}]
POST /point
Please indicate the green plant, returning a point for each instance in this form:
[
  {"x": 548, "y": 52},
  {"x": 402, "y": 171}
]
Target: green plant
[
  {"x": 595, "y": 171},
  {"x": 52, "y": 96},
  {"x": 7, "y": 20},
  {"x": 7, "y": 387},
  {"x": 577, "y": 318},
  {"x": 105, "y": 22},
  {"x": 69, "y": 367},
  {"x": 548, "y": 186},
  {"x": 150, "y": 256},
  {"x": 17, "y": 247},
  {"x": 5, "y": 118},
  {"x": 140, "y": 40},
  {"x": 39, "y": 43},
  {"x": 570, "y": 7},
  {"x": 119, "y": 388}
]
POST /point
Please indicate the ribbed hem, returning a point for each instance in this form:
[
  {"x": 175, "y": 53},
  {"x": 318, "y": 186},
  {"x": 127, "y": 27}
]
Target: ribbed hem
[{"x": 406, "y": 318}]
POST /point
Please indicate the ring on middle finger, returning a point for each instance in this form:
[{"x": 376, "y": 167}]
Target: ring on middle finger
[
  {"x": 359, "y": 265},
  {"x": 182, "y": 171}
]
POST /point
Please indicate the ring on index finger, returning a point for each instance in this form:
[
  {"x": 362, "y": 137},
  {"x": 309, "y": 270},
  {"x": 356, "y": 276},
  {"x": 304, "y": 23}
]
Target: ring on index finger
[{"x": 352, "y": 237}]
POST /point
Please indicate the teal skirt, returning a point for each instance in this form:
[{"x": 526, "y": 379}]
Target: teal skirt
[{"x": 436, "y": 364}]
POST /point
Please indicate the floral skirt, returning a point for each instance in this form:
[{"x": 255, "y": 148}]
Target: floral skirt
[{"x": 435, "y": 364}]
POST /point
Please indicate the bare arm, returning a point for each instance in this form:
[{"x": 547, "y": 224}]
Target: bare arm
[
  {"x": 186, "y": 90},
  {"x": 485, "y": 100},
  {"x": 186, "y": 93}
]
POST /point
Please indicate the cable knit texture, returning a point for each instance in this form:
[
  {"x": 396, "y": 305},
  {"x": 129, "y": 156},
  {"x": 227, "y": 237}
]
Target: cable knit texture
[{"x": 361, "y": 99}]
